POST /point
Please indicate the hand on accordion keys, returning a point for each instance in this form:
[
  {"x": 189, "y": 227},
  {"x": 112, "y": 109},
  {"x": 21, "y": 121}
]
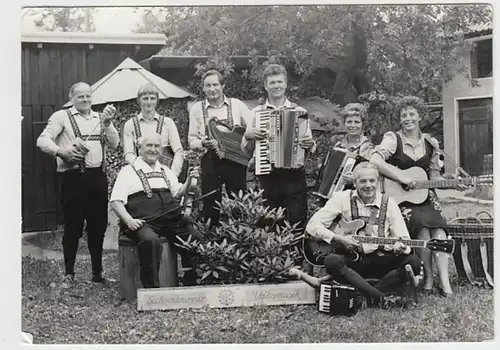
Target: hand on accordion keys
[
  {"x": 256, "y": 134},
  {"x": 306, "y": 141}
]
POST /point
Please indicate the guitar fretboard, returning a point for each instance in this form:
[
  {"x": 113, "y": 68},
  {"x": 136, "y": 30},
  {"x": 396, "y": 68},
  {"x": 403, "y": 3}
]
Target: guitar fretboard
[
  {"x": 444, "y": 183},
  {"x": 416, "y": 243}
]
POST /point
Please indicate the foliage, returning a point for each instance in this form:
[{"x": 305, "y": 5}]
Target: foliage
[
  {"x": 66, "y": 19},
  {"x": 390, "y": 49},
  {"x": 242, "y": 249}
]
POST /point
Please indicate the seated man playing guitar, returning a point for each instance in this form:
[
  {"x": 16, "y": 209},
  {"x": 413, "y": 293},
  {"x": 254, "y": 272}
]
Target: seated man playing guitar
[{"x": 348, "y": 261}]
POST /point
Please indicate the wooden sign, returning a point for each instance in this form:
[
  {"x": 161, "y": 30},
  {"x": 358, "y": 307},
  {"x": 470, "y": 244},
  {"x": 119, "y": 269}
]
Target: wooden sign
[{"x": 222, "y": 296}]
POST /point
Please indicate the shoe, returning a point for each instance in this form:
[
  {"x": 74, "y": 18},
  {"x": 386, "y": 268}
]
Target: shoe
[
  {"x": 68, "y": 281},
  {"x": 443, "y": 293},
  {"x": 100, "y": 279},
  {"x": 391, "y": 301}
]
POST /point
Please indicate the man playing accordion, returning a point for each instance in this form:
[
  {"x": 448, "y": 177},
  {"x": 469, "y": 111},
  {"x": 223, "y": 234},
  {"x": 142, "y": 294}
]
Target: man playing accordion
[
  {"x": 216, "y": 171},
  {"x": 386, "y": 263},
  {"x": 283, "y": 187}
]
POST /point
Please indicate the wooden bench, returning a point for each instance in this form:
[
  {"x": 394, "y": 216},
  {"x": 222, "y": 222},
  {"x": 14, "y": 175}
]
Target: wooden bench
[{"x": 130, "y": 279}]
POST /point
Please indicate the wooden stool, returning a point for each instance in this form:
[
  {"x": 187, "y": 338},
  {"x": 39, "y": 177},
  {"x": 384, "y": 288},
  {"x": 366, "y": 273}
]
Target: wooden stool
[{"x": 130, "y": 279}]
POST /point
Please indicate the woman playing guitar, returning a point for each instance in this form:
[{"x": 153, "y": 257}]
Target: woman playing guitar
[{"x": 405, "y": 149}]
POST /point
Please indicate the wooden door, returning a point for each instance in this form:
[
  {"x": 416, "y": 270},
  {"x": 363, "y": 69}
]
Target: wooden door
[
  {"x": 476, "y": 133},
  {"x": 40, "y": 194}
]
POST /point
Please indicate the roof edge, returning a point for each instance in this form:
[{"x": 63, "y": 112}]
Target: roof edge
[{"x": 93, "y": 38}]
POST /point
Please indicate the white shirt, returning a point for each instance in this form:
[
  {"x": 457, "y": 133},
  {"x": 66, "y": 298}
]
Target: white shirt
[
  {"x": 59, "y": 133},
  {"x": 340, "y": 204},
  {"x": 128, "y": 182},
  {"x": 169, "y": 137},
  {"x": 239, "y": 111}
]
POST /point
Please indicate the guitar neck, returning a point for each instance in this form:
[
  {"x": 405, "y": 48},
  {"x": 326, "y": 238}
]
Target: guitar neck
[
  {"x": 443, "y": 183},
  {"x": 414, "y": 243}
]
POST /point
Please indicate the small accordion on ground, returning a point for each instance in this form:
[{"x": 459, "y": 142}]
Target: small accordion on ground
[
  {"x": 475, "y": 247},
  {"x": 281, "y": 148},
  {"x": 339, "y": 300},
  {"x": 229, "y": 141}
]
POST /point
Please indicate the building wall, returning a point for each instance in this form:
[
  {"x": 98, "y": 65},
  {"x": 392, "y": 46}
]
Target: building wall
[{"x": 459, "y": 88}]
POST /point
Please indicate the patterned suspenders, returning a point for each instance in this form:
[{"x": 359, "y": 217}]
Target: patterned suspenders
[
  {"x": 381, "y": 217},
  {"x": 151, "y": 175},
  {"x": 78, "y": 134},
  {"x": 138, "y": 133},
  {"x": 230, "y": 121}
]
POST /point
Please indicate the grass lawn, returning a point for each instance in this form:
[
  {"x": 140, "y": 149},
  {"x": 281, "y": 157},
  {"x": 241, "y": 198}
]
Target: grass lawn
[{"x": 92, "y": 313}]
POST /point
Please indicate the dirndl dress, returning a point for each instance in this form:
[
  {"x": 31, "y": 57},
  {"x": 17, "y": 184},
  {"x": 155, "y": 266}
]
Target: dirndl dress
[{"x": 429, "y": 213}]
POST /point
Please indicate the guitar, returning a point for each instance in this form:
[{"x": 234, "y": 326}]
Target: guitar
[
  {"x": 420, "y": 193},
  {"x": 315, "y": 250}
]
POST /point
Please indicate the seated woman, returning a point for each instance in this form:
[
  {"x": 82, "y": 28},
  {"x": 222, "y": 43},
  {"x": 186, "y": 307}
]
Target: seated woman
[
  {"x": 353, "y": 141},
  {"x": 407, "y": 148}
]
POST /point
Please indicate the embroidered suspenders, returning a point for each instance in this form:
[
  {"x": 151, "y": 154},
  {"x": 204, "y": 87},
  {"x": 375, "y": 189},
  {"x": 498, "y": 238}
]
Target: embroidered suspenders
[
  {"x": 381, "y": 217},
  {"x": 230, "y": 121},
  {"x": 138, "y": 133},
  {"x": 151, "y": 175},
  {"x": 78, "y": 134}
]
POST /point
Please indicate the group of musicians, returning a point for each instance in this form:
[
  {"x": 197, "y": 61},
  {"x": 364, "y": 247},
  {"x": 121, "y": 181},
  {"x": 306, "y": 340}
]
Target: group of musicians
[{"x": 148, "y": 187}]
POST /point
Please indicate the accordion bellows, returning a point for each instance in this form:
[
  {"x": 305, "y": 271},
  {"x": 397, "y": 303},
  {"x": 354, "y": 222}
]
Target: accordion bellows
[{"x": 229, "y": 142}]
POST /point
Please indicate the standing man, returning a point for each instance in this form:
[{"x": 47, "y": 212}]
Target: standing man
[
  {"x": 148, "y": 120},
  {"x": 285, "y": 188},
  {"x": 216, "y": 171},
  {"x": 77, "y": 137}
]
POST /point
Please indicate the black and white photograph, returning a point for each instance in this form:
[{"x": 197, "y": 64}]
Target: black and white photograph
[{"x": 257, "y": 174}]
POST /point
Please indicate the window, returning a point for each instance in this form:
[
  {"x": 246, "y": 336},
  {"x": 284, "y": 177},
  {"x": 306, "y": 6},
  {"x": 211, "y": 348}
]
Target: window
[{"x": 482, "y": 59}]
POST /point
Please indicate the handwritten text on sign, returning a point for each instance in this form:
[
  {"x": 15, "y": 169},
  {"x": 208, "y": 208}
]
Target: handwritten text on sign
[{"x": 225, "y": 296}]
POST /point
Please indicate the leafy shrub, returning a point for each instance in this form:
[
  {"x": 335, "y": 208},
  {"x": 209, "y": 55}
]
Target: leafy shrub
[{"x": 248, "y": 246}]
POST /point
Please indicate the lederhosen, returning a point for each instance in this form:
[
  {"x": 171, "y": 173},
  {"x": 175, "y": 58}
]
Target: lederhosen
[
  {"x": 150, "y": 202},
  {"x": 95, "y": 137},
  {"x": 373, "y": 218},
  {"x": 84, "y": 197},
  {"x": 425, "y": 214},
  {"x": 216, "y": 171}
]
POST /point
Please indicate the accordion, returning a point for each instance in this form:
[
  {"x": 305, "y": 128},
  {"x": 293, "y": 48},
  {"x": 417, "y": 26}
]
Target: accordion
[
  {"x": 339, "y": 300},
  {"x": 336, "y": 163},
  {"x": 229, "y": 141},
  {"x": 281, "y": 148}
]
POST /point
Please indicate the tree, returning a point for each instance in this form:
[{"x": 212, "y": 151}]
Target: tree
[
  {"x": 391, "y": 49},
  {"x": 67, "y": 19}
]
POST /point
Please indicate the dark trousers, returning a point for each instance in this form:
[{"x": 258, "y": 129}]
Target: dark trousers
[
  {"x": 214, "y": 173},
  {"x": 150, "y": 250},
  {"x": 147, "y": 237},
  {"x": 84, "y": 198},
  {"x": 287, "y": 188},
  {"x": 386, "y": 266}
]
